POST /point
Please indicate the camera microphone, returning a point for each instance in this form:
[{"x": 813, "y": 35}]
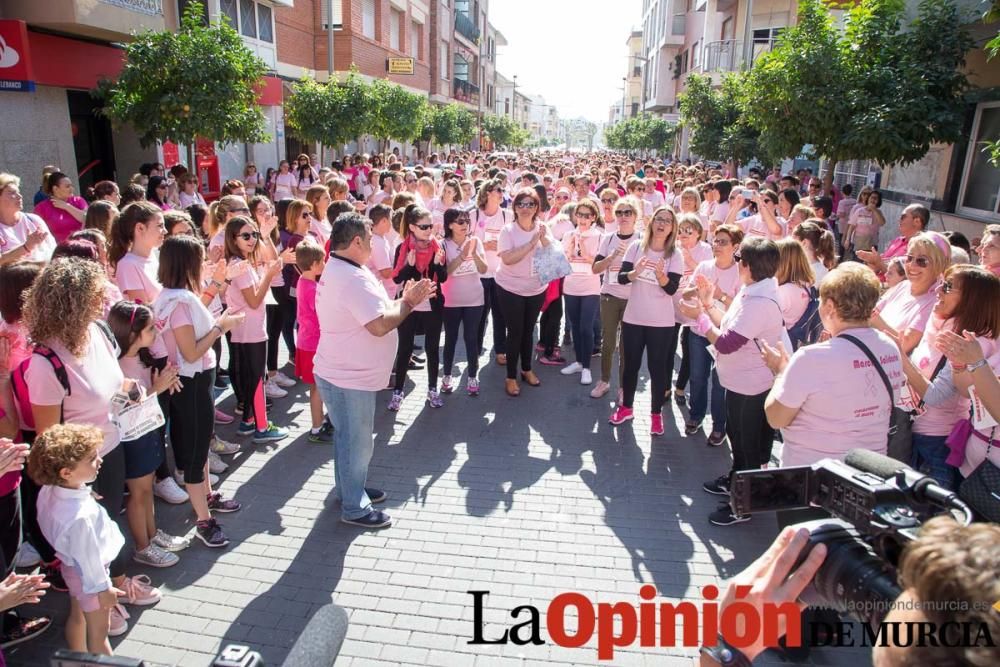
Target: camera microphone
[{"x": 921, "y": 487}]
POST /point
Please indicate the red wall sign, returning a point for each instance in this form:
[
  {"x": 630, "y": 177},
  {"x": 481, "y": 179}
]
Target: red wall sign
[{"x": 15, "y": 59}]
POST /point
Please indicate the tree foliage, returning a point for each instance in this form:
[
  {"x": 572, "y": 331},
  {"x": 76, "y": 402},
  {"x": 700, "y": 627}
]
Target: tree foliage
[
  {"x": 870, "y": 91},
  {"x": 450, "y": 124},
  {"x": 503, "y": 131},
  {"x": 642, "y": 132},
  {"x": 331, "y": 113},
  {"x": 201, "y": 81},
  {"x": 719, "y": 130},
  {"x": 992, "y": 15},
  {"x": 397, "y": 113}
]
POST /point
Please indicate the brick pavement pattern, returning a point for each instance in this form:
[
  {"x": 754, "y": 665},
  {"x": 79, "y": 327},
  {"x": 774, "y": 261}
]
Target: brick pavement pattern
[{"x": 524, "y": 497}]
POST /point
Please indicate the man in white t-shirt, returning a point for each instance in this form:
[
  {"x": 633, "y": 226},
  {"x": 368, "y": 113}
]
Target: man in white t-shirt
[{"x": 357, "y": 346}]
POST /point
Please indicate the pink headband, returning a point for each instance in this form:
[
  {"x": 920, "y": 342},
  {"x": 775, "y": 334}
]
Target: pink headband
[{"x": 941, "y": 242}]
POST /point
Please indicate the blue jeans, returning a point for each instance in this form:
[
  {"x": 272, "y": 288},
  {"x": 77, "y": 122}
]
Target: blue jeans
[
  {"x": 352, "y": 413},
  {"x": 703, "y": 372},
  {"x": 581, "y": 312},
  {"x": 928, "y": 456}
]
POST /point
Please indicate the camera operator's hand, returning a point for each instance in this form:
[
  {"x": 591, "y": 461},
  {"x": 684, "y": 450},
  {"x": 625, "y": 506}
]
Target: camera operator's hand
[{"x": 770, "y": 579}]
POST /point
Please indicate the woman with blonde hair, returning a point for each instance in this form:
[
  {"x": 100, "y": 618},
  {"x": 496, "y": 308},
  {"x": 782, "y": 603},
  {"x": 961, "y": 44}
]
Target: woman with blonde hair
[
  {"x": 22, "y": 235},
  {"x": 795, "y": 281},
  {"x": 819, "y": 246},
  {"x": 220, "y": 212}
]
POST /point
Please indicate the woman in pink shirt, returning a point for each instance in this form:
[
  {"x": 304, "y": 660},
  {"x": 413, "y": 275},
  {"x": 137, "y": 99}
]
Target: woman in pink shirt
[
  {"x": 23, "y": 236},
  {"x": 156, "y": 192},
  {"x": 694, "y": 250},
  {"x": 520, "y": 291},
  {"x": 989, "y": 249},
  {"x": 654, "y": 268},
  {"x": 561, "y": 197},
  {"x": 819, "y": 246},
  {"x": 582, "y": 287},
  {"x": 264, "y": 216},
  {"x": 463, "y": 296},
  {"x": 63, "y": 212},
  {"x": 795, "y": 281}
]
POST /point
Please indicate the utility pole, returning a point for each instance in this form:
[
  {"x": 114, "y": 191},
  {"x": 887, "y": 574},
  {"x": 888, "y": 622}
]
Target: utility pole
[
  {"x": 329, "y": 43},
  {"x": 624, "y": 91}
]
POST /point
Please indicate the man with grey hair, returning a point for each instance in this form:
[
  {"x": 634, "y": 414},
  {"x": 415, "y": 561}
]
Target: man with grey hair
[
  {"x": 914, "y": 219},
  {"x": 357, "y": 347}
]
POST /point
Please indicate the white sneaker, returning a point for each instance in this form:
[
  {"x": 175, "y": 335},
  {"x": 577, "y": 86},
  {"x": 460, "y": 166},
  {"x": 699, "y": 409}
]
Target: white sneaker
[
  {"x": 119, "y": 621},
  {"x": 223, "y": 447},
  {"x": 167, "y": 489},
  {"x": 27, "y": 556},
  {"x": 282, "y": 380},
  {"x": 215, "y": 464},
  {"x": 170, "y": 542},
  {"x": 574, "y": 367},
  {"x": 272, "y": 390},
  {"x": 585, "y": 376},
  {"x": 154, "y": 556}
]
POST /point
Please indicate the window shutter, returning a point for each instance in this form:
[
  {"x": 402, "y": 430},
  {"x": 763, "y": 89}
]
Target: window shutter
[{"x": 338, "y": 14}]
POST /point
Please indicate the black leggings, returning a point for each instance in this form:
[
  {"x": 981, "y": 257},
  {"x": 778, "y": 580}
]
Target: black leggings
[
  {"x": 431, "y": 322},
  {"x": 163, "y": 398},
  {"x": 468, "y": 318},
  {"x": 750, "y": 436},
  {"x": 684, "y": 372},
  {"x": 520, "y": 314},
  {"x": 110, "y": 489},
  {"x": 10, "y": 529},
  {"x": 192, "y": 422},
  {"x": 492, "y": 308},
  {"x": 658, "y": 343},
  {"x": 277, "y": 326},
  {"x": 250, "y": 361}
]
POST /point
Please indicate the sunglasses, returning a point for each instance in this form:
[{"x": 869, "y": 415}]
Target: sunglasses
[
  {"x": 662, "y": 221},
  {"x": 525, "y": 204},
  {"x": 624, "y": 214},
  {"x": 249, "y": 236},
  {"x": 424, "y": 227},
  {"x": 685, "y": 231},
  {"x": 947, "y": 287},
  {"x": 562, "y": 196},
  {"x": 305, "y": 215},
  {"x": 608, "y": 201},
  {"x": 586, "y": 215},
  {"x": 922, "y": 262},
  {"x": 720, "y": 243},
  {"x": 460, "y": 221}
]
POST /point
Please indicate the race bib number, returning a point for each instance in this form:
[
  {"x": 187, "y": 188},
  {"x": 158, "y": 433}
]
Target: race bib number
[
  {"x": 648, "y": 275},
  {"x": 581, "y": 267},
  {"x": 465, "y": 268},
  {"x": 135, "y": 420}
]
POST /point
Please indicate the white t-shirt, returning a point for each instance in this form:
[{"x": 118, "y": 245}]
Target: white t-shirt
[
  {"x": 754, "y": 225},
  {"x": 581, "y": 249},
  {"x": 13, "y": 237},
  {"x": 609, "y": 244},
  {"x": 487, "y": 228},
  {"x": 520, "y": 277},
  {"x": 383, "y": 252}
]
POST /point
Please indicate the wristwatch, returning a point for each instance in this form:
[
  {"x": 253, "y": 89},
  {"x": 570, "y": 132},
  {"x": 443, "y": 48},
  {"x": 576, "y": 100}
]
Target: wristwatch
[
  {"x": 726, "y": 655},
  {"x": 976, "y": 366}
]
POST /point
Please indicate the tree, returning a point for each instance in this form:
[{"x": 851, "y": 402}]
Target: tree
[
  {"x": 643, "y": 132},
  {"x": 872, "y": 91},
  {"x": 992, "y": 15},
  {"x": 332, "y": 113},
  {"x": 396, "y": 113},
  {"x": 719, "y": 130},
  {"x": 201, "y": 81},
  {"x": 450, "y": 124},
  {"x": 503, "y": 131}
]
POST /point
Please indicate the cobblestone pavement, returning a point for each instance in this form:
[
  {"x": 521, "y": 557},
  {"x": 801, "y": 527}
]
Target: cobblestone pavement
[{"x": 525, "y": 498}]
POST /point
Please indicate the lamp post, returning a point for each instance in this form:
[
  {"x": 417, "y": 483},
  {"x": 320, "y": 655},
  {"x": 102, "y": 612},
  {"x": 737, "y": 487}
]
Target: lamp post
[
  {"x": 624, "y": 91},
  {"x": 513, "y": 101}
]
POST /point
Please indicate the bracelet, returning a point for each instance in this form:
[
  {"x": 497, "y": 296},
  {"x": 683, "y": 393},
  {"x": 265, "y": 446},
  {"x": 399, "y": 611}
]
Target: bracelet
[
  {"x": 216, "y": 326},
  {"x": 976, "y": 366},
  {"x": 217, "y": 284},
  {"x": 725, "y": 654}
]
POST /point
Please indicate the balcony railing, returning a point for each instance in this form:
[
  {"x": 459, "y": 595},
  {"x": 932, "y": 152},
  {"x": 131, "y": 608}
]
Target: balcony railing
[
  {"x": 465, "y": 91},
  {"x": 150, "y": 7},
  {"x": 728, "y": 55},
  {"x": 465, "y": 26}
]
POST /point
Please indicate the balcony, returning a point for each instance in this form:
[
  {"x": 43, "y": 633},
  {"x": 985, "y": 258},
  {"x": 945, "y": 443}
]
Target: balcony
[
  {"x": 729, "y": 55},
  {"x": 464, "y": 91},
  {"x": 466, "y": 27},
  {"x": 112, "y": 20}
]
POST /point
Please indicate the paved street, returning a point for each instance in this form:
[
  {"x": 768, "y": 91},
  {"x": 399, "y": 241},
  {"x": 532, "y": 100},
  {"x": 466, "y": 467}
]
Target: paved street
[{"x": 526, "y": 498}]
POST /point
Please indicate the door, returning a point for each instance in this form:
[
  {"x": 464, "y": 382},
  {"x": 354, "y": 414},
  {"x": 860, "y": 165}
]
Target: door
[{"x": 92, "y": 140}]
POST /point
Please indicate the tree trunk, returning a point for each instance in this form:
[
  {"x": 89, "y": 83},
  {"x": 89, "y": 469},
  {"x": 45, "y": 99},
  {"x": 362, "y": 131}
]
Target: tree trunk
[{"x": 828, "y": 177}]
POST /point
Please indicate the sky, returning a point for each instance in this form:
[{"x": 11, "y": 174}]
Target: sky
[{"x": 571, "y": 52}]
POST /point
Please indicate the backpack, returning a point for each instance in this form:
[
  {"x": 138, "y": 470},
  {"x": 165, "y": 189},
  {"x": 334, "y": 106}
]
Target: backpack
[{"x": 808, "y": 328}]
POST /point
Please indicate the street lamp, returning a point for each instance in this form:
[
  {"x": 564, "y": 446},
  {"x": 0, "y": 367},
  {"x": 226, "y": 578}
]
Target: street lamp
[
  {"x": 513, "y": 101},
  {"x": 624, "y": 90}
]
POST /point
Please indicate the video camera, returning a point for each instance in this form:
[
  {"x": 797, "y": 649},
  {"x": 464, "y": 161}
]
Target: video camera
[{"x": 878, "y": 505}]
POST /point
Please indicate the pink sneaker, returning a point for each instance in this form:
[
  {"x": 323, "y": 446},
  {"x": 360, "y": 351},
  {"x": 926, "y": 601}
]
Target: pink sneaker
[
  {"x": 656, "y": 424},
  {"x": 620, "y": 415},
  {"x": 222, "y": 418}
]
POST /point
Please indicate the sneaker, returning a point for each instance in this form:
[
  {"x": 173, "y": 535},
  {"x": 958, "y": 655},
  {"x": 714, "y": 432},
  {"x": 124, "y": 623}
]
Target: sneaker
[
  {"x": 472, "y": 387},
  {"x": 600, "y": 390},
  {"x": 216, "y": 503},
  {"x": 551, "y": 360},
  {"x": 167, "y": 489},
  {"x": 396, "y": 401},
  {"x": 221, "y": 381},
  {"x": 574, "y": 367},
  {"x": 539, "y": 348},
  {"x": 596, "y": 352},
  {"x": 272, "y": 390},
  {"x": 139, "y": 590},
  {"x": 447, "y": 384},
  {"x": 222, "y": 447},
  {"x": 376, "y": 495},
  {"x": 321, "y": 437},
  {"x": 119, "y": 621},
  {"x": 223, "y": 418},
  {"x": 282, "y": 380},
  {"x": 27, "y": 556},
  {"x": 22, "y": 629},
  {"x": 216, "y": 464},
  {"x": 271, "y": 434},
  {"x": 620, "y": 415},
  {"x": 690, "y": 428},
  {"x": 715, "y": 438},
  {"x": 179, "y": 476},
  {"x": 154, "y": 556},
  {"x": 724, "y": 516},
  {"x": 169, "y": 542},
  {"x": 210, "y": 533},
  {"x": 656, "y": 424},
  {"x": 246, "y": 428},
  {"x": 434, "y": 398},
  {"x": 585, "y": 377},
  {"x": 680, "y": 398},
  {"x": 53, "y": 575},
  {"x": 415, "y": 364},
  {"x": 718, "y": 486},
  {"x": 374, "y": 519}
]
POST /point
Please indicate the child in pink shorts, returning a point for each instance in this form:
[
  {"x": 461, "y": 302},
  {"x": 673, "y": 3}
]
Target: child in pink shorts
[
  {"x": 64, "y": 460},
  {"x": 310, "y": 258}
]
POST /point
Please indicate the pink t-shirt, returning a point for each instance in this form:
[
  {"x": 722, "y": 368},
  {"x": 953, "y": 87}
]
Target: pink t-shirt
[
  {"x": 348, "y": 297},
  {"x": 582, "y": 249},
  {"x": 728, "y": 280},
  {"x": 13, "y": 237},
  {"x": 462, "y": 288},
  {"x": 793, "y": 300},
  {"x": 61, "y": 224},
  {"x": 488, "y": 227},
  {"x": 134, "y": 369},
  {"x": 754, "y": 225},
  {"x": 976, "y": 447},
  {"x": 754, "y": 313},
  {"x": 610, "y": 243},
  {"x": 306, "y": 316},
  {"x": 520, "y": 277},
  {"x": 321, "y": 229},
  {"x": 139, "y": 273},
  {"x": 179, "y": 317},
  {"x": 648, "y": 305},
  {"x": 93, "y": 380},
  {"x": 904, "y": 312},
  {"x": 253, "y": 329},
  {"x": 842, "y": 401},
  {"x": 383, "y": 252}
]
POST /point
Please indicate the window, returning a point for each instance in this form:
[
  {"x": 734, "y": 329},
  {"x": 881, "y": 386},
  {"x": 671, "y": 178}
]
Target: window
[
  {"x": 636, "y": 71},
  {"x": 695, "y": 56},
  {"x": 443, "y": 59},
  {"x": 248, "y": 18},
  {"x": 265, "y": 31},
  {"x": 338, "y": 14},
  {"x": 416, "y": 40},
  {"x": 395, "y": 28},
  {"x": 368, "y": 18},
  {"x": 228, "y": 9},
  {"x": 980, "y": 193},
  {"x": 728, "y": 28},
  {"x": 461, "y": 68}
]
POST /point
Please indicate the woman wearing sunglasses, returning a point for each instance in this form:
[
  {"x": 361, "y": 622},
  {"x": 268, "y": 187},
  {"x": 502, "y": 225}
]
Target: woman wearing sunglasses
[
  {"x": 521, "y": 294},
  {"x": 244, "y": 243},
  {"x": 419, "y": 256},
  {"x": 463, "y": 296},
  {"x": 653, "y": 267},
  {"x": 488, "y": 219},
  {"x": 582, "y": 287},
  {"x": 904, "y": 311},
  {"x": 694, "y": 250}
]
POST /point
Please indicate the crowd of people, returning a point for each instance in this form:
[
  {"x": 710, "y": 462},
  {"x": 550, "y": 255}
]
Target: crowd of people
[{"x": 770, "y": 294}]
